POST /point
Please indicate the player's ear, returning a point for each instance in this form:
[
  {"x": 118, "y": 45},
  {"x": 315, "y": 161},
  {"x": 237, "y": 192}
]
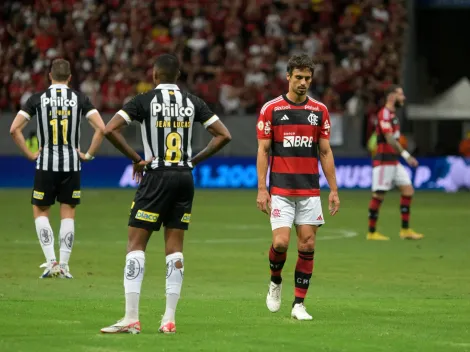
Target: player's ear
[
  {"x": 50, "y": 76},
  {"x": 288, "y": 76},
  {"x": 178, "y": 75},
  {"x": 69, "y": 79}
]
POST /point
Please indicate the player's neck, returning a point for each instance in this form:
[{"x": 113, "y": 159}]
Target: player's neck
[
  {"x": 61, "y": 83},
  {"x": 390, "y": 107},
  {"x": 295, "y": 98}
]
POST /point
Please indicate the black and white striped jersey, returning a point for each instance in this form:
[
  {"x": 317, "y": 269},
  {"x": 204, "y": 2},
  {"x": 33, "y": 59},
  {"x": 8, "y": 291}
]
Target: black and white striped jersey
[
  {"x": 59, "y": 110},
  {"x": 167, "y": 117}
]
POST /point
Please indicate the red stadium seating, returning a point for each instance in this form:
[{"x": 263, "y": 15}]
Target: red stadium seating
[{"x": 234, "y": 52}]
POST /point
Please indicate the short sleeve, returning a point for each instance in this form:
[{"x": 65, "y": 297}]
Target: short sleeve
[
  {"x": 263, "y": 127},
  {"x": 88, "y": 108},
  {"x": 29, "y": 108},
  {"x": 203, "y": 113},
  {"x": 385, "y": 122},
  {"x": 325, "y": 130},
  {"x": 130, "y": 111}
]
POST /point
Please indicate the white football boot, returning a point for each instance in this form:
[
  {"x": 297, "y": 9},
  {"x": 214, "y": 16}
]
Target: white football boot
[
  {"x": 65, "y": 271},
  {"x": 50, "y": 270},
  {"x": 123, "y": 327},
  {"x": 273, "y": 299},
  {"x": 299, "y": 312}
]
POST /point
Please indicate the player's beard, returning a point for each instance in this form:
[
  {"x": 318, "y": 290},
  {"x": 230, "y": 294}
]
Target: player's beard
[
  {"x": 301, "y": 92},
  {"x": 398, "y": 104}
]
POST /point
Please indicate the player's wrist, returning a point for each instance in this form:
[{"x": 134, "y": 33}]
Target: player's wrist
[
  {"x": 88, "y": 156},
  {"x": 405, "y": 154},
  {"x": 136, "y": 161}
]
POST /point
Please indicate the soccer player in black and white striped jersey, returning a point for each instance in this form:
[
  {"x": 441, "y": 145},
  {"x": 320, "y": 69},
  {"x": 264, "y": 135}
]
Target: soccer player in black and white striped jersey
[
  {"x": 59, "y": 111},
  {"x": 165, "y": 194}
]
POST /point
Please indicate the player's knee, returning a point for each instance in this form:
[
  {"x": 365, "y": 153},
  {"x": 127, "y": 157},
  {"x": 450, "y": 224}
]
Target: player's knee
[
  {"x": 281, "y": 243},
  {"x": 407, "y": 191},
  {"x": 136, "y": 244},
  {"x": 379, "y": 195},
  {"x": 307, "y": 244}
]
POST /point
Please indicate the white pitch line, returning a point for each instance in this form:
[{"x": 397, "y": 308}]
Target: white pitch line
[{"x": 338, "y": 234}]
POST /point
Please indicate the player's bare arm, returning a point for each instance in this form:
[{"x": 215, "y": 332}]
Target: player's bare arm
[
  {"x": 328, "y": 165},
  {"x": 221, "y": 137},
  {"x": 113, "y": 133},
  {"x": 16, "y": 131},
  {"x": 97, "y": 123},
  {"x": 263, "y": 200},
  {"x": 404, "y": 153}
]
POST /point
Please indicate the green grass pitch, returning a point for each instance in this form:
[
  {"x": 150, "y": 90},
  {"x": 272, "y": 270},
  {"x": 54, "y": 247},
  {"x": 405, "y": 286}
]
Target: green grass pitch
[{"x": 365, "y": 296}]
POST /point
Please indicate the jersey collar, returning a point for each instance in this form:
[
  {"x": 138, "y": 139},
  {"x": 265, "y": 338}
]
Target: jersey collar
[
  {"x": 58, "y": 85},
  {"x": 167, "y": 86}
]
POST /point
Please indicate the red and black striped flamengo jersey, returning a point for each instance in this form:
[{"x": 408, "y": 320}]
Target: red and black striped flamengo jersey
[
  {"x": 295, "y": 130},
  {"x": 387, "y": 123}
]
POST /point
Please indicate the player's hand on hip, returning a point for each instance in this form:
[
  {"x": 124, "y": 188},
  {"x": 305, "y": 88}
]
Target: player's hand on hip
[
  {"x": 82, "y": 156},
  {"x": 34, "y": 156},
  {"x": 139, "y": 168},
  {"x": 412, "y": 161},
  {"x": 333, "y": 203},
  {"x": 263, "y": 201}
]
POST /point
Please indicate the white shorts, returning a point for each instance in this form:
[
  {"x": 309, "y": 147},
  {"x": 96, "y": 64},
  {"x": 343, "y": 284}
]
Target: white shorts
[
  {"x": 385, "y": 177},
  {"x": 298, "y": 210}
]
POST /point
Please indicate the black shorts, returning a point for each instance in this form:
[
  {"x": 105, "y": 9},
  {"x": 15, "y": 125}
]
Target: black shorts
[
  {"x": 50, "y": 185},
  {"x": 163, "y": 197}
]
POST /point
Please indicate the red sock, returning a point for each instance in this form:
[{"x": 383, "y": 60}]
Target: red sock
[
  {"x": 374, "y": 207},
  {"x": 405, "y": 203},
  {"x": 276, "y": 263},
  {"x": 303, "y": 273}
]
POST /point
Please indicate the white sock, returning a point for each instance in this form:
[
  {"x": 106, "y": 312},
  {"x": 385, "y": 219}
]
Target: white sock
[
  {"x": 46, "y": 237},
  {"x": 174, "y": 281},
  {"x": 133, "y": 277},
  {"x": 67, "y": 235}
]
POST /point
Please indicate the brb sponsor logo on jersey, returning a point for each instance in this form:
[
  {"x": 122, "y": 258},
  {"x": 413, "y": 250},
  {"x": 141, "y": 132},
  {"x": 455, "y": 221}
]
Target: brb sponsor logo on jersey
[
  {"x": 172, "y": 110},
  {"x": 293, "y": 140},
  {"x": 60, "y": 101}
]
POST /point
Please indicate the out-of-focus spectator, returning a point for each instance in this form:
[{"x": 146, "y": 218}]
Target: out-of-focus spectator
[
  {"x": 234, "y": 53},
  {"x": 464, "y": 146}
]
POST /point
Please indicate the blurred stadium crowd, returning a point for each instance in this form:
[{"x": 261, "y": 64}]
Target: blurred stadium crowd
[{"x": 234, "y": 52}]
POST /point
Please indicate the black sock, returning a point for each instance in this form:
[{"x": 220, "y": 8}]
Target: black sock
[{"x": 297, "y": 300}]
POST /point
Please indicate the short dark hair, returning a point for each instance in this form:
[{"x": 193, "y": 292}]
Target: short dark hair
[
  {"x": 391, "y": 89},
  {"x": 60, "y": 70},
  {"x": 168, "y": 68},
  {"x": 301, "y": 61}
]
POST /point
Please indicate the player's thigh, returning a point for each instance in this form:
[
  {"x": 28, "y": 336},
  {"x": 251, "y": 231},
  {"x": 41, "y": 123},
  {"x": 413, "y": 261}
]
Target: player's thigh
[
  {"x": 383, "y": 177},
  {"x": 150, "y": 202},
  {"x": 308, "y": 211},
  {"x": 282, "y": 212},
  {"x": 178, "y": 215},
  {"x": 68, "y": 191},
  {"x": 401, "y": 178},
  {"x": 44, "y": 191}
]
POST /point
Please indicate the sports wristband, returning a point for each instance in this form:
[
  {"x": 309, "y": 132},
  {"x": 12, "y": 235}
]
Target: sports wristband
[
  {"x": 88, "y": 156},
  {"x": 405, "y": 154},
  {"x": 136, "y": 162}
]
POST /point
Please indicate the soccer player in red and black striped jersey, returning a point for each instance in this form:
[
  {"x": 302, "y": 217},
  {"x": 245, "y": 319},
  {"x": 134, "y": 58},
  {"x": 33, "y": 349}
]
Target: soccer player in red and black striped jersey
[
  {"x": 296, "y": 130},
  {"x": 387, "y": 170}
]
